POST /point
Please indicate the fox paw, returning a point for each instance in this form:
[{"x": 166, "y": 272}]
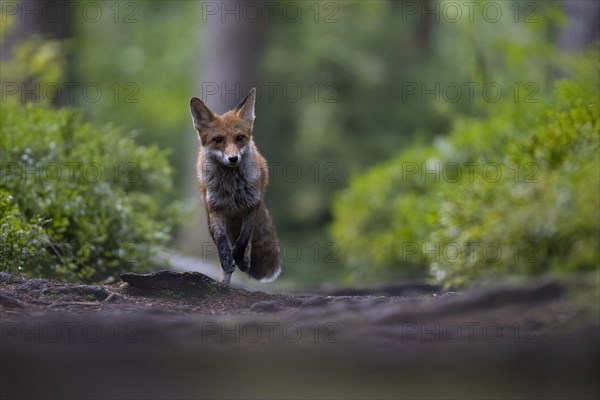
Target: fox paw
[
  {"x": 243, "y": 265},
  {"x": 241, "y": 258},
  {"x": 228, "y": 265},
  {"x": 226, "y": 279}
]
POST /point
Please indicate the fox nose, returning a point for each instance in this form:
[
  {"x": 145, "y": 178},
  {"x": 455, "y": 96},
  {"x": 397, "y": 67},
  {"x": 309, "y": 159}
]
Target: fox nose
[{"x": 233, "y": 159}]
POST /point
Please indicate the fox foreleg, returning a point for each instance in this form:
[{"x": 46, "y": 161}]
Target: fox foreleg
[
  {"x": 218, "y": 232},
  {"x": 242, "y": 247}
]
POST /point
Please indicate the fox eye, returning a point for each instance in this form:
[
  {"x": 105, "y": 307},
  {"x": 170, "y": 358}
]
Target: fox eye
[
  {"x": 240, "y": 138},
  {"x": 218, "y": 139}
]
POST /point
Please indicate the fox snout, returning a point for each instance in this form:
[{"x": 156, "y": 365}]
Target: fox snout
[
  {"x": 228, "y": 158},
  {"x": 231, "y": 156},
  {"x": 231, "y": 159}
]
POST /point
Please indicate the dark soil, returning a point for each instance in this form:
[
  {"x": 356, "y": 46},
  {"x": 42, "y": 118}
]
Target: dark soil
[{"x": 175, "y": 335}]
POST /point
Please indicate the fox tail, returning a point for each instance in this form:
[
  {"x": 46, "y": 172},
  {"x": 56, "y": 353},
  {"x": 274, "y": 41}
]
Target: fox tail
[{"x": 265, "y": 259}]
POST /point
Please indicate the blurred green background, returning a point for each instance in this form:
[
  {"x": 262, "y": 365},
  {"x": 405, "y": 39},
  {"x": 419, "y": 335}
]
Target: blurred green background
[{"x": 357, "y": 102}]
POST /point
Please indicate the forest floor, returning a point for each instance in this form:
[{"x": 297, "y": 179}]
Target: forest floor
[{"x": 184, "y": 336}]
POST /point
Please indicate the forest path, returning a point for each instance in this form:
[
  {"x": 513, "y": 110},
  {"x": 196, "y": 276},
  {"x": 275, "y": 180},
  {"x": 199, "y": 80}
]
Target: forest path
[{"x": 186, "y": 336}]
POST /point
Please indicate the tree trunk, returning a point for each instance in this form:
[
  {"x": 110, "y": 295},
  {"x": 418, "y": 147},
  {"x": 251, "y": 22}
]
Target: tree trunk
[
  {"x": 583, "y": 25},
  {"x": 51, "y": 19}
]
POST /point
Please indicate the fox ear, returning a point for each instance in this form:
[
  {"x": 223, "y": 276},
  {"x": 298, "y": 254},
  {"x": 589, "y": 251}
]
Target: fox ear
[
  {"x": 245, "y": 109},
  {"x": 202, "y": 117}
]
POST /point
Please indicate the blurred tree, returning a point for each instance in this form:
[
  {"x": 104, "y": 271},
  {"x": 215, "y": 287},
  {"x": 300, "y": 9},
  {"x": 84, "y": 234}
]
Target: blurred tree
[
  {"x": 47, "y": 25},
  {"x": 423, "y": 32},
  {"x": 583, "y": 27}
]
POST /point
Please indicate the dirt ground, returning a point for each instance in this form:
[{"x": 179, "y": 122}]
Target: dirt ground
[{"x": 191, "y": 338}]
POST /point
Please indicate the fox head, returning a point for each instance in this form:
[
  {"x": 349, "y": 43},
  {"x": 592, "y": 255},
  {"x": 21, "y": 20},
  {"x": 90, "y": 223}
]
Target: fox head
[{"x": 226, "y": 137}]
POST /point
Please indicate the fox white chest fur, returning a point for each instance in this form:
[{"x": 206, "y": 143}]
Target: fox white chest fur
[{"x": 230, "y": 189}]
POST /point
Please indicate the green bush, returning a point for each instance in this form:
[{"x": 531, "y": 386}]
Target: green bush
[
  {"x": 78, "y": 202},
  {"x": 514, "y": 193}
]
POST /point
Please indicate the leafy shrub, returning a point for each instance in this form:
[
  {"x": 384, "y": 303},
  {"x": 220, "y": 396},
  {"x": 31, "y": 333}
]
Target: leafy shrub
[
  {"x": 78, "y": 201},
  {"x": 516, "y": 192}
]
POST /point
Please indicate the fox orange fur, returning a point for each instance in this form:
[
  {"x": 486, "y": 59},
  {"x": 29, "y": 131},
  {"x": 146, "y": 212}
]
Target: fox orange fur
[{"x": 233, "y": 177}]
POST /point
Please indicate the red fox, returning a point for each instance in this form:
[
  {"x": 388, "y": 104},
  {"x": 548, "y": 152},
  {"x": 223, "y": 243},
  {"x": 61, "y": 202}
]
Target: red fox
[{"x": 233, "y": 177}]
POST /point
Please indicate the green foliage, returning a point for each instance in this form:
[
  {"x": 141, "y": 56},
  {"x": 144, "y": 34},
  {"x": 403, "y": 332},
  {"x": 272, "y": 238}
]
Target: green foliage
[
  {"x": 149, "y": 77},
  {"x": 78, "y": 201},
  {"x": 39, "y": 60},
  {"x": 516, "y": 192},
  {"x": 22, "y": 240},
  {"x": 372, "y": 79},
  {"x": 34, "y": 64}
]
